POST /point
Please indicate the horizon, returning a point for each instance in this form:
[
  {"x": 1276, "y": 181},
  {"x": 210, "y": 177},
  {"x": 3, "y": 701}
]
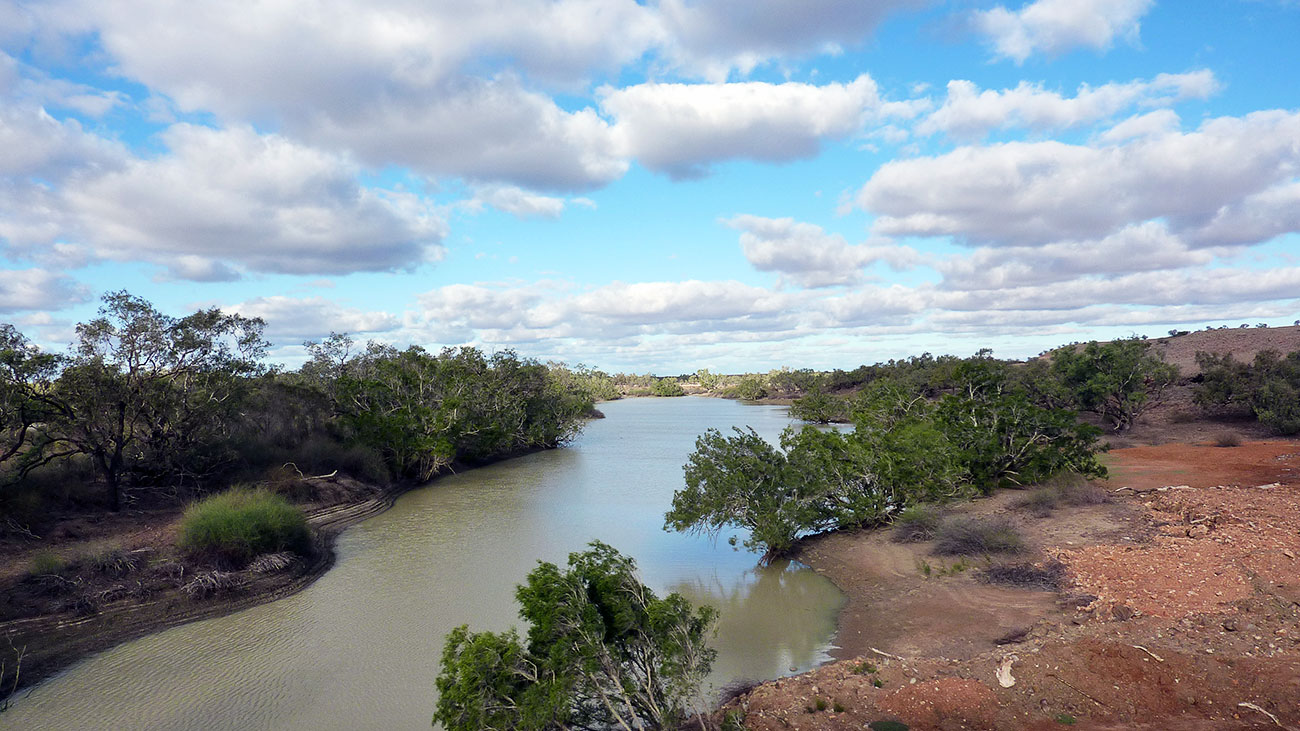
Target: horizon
[{"x": 657, "y": 187}]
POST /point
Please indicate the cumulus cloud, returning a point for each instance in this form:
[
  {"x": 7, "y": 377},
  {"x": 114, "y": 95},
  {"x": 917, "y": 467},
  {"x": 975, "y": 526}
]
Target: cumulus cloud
[
  {"x": 808, "y": 255},
  {"x": 34, "y": 144},
  {"x": 1057, "y": 26},
  {"x": 312, "y": 318},
  {"x": 517, "y": 201},
  {"x": 451, "y": 89},
  {"x": 1021, "y": 194},
  {"x": 968, "y": 112},
  {"x": 719, "y": 37},
  {"x": 38, "y": 289},
  {"x": 681, "y": 128},
  {"x": 1139, "y": 248},
  {"x": 217, "y": 198}
]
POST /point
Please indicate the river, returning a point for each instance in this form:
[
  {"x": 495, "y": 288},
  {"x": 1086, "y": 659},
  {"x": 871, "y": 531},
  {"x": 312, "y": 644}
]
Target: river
[{"x": 359, "y": 648}]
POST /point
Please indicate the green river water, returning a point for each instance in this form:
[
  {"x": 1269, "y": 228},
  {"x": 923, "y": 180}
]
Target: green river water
[{"x": 359, "y": 648}]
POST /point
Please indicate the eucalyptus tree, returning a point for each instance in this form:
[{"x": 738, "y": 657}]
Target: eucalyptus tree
[{"x": 154, "y": 395}]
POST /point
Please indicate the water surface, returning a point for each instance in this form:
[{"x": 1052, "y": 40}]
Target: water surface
[{"x": 359, "y": 648}]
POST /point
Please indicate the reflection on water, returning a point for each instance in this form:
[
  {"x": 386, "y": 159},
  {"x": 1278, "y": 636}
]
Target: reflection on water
[
  {"x": 773, "y": 619},
  {"x": 359, "y": 648}
]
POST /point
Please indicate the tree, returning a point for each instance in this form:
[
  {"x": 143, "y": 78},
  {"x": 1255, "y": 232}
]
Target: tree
[
  {"x": 602, "y": 652},
  {"x": 667, "y": 387},
  {"x": 742, "y": 481},
  {"x": 25, "y": 377},
  {"x": 818, "y": 407},
  {"x": 152, "y": 393},
  {"x": 1118, "y": 380},
  {"x": 903, "y": 449}
]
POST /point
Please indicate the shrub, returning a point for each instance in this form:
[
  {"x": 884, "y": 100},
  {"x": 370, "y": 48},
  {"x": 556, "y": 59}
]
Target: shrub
[
  {"x": 965, "y": 536},
  {"x": 46, "y": 563},
  {"x": 1227, "y": 439},
  {"x": 916, "y": 523},
  {"x": 667, "y": 387},
  {"x": 235, "y": 526},
  {"x": 114, "y": 562},
  {"x": 1068, "y": 488},
  {"x": 1026, "y": 575}
]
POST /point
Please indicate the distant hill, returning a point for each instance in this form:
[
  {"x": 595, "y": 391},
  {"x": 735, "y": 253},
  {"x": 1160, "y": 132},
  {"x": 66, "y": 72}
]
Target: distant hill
[{"x": 1242, "y": 342}]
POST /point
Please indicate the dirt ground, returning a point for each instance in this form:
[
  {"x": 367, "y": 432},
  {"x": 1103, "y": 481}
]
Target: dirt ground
[{"x": 1180, "y": 610}]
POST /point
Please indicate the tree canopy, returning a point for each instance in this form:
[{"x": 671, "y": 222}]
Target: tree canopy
[{"x": 601, "y": 652}]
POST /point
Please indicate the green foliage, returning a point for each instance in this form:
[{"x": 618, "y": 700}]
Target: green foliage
[
  {"x": 1065, "y": 719},
  {"x": 667, "y": 387},
  {"x": 904, "y": 449},
  {"x": 1269, "y": 387},
  {"x": 1118, "y": 380},
  {"x": 46, "y": 562},
  {"x": 751, "y": 387},
  {"x": 423, "y": 412},
  {"x": 602, "y": 651},
  {"x": 733, "y": 720},
  {"x": 235, "y": 526},
  {"x": 819, "y": 407},
  {"x": 1004, "y": 439}
]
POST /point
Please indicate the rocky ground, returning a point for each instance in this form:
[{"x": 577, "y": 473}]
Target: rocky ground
[{"x": 1179, "y": 609}]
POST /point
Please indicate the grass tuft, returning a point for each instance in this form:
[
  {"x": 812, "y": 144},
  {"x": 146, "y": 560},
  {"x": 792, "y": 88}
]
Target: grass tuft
[
  {"x": 916, "y": 523},
  {"x": 966, "y": 536},
  {"x": 234, "y": 527},
  {"x": 1227, "y": 439},
  {"x": 1050, "y": 576}
]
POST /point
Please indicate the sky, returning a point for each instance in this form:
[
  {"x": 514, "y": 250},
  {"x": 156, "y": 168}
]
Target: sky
[{"x": 656, "y": 186}]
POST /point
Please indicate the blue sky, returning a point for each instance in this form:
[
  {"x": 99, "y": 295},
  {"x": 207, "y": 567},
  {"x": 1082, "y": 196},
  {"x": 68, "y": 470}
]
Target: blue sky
[{"x": 657, "y": 186}]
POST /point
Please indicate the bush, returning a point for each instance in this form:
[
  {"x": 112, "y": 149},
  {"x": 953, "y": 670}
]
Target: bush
[
  {"x": 1227, "y": 439},
  {"x": 234, "y": 527},
  {"x": 1068, "y": 488},
  {"x": 916, "y": 523},
  {"x": 1049, "y": 577},
  {"x": 602, "y": 651},
  {"x": 965, "y": 536}
]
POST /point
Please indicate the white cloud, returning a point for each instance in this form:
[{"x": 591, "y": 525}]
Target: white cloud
[
  {"x": 1138, "y": 248},
  {"x": 482, "y": 130},
  {"x": 34, "y": 144},
  {"x": 217, "y": 198},
  {"x": 38, "y": 289},
  {"x": 810, "y": 256},
  {"x": 1159, "y": 122},
  {"x": 968, "y": 112},
  {"x": 1057, "y": 26},
  {"x": 312, "y": 318},
  {"x": 719, "y": 37},
  {"x": 1035, "y": 193},
  {"x": 518, "y": 202},
  {"x": 682, "y": 128}
]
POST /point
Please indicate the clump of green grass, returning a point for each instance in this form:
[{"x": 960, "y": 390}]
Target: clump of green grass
[
  {"x": 233, "y": 527},
  {"x": 966, "y": 536},
  {"x": 865, "y": 668},
  {"x": 46, "y": 563},
  {"x": 1065, "y": 719},
  {"x": 114, "y": 562},
  {"x": 916, "y": 523}
]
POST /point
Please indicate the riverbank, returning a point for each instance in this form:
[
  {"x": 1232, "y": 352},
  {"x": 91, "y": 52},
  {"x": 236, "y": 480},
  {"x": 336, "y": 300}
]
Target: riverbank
[
  {"x": 124, "y": 579},
  {"x": 1178, "y": 609}
]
